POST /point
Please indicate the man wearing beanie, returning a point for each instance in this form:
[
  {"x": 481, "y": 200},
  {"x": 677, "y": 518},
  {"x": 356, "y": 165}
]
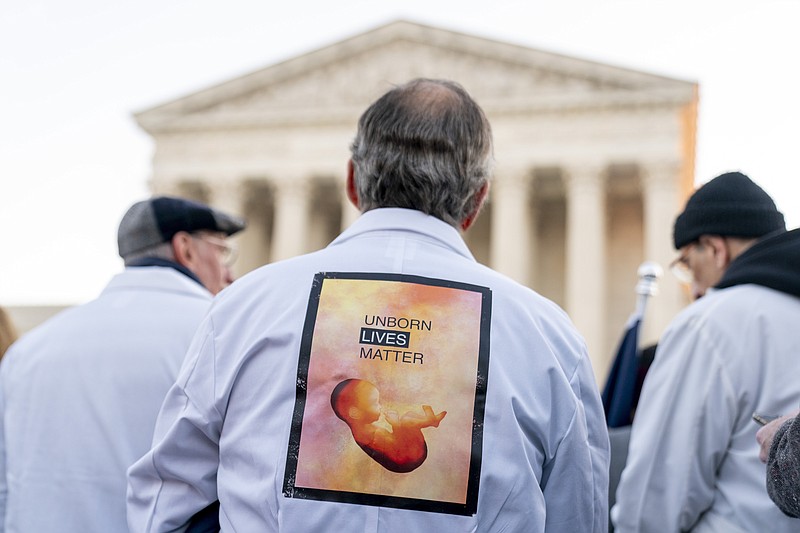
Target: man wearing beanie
[
  {"x": 79, "y": 394},
  {"x": 693, "y": 462}
]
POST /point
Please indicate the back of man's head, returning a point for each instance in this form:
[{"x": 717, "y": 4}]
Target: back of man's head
[
  {"x": 425, "y": 145},
  {"x": 730, "y": 205}
]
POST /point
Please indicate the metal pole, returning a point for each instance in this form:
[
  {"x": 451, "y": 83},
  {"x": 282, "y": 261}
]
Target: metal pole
[{"x": 649, "y": 273}]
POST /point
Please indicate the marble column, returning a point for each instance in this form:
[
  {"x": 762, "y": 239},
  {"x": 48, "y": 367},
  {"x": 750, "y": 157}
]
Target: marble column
[
  {"x": 510, "y": 243},
  {"x": 226, "y": 195},
  {"x": 255, "y": 241},
  {"x": 166, "y": 188},
  {"x": 586, "y": 259},
  {"x": 660, "y": 198},
  {"x": 292, "y": 199}
]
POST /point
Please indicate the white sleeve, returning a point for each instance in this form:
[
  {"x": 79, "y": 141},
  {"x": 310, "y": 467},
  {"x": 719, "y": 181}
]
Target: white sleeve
[
  {"x": 3, "y": 482},
  {"x": 594, "y": 420},
  {"x": 685, "y": 416},
  {"x": 575, "y": 481},
  {"x": 177, "y": 477}
]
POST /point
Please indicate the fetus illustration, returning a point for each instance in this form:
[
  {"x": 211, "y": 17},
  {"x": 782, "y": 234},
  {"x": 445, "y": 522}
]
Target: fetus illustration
[{"x": 403, "y": 449}]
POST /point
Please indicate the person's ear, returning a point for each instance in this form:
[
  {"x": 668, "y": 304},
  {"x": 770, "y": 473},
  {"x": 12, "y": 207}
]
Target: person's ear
[
  {"x": 183, "y": 249},
  {"x": 722, "y": 253},
  {"x": 480, "y": 198},
  {"x": 352, "y": 194}
]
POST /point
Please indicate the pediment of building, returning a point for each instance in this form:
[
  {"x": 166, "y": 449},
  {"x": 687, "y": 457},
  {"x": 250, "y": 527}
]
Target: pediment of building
[{"x": 337, "y": 82}]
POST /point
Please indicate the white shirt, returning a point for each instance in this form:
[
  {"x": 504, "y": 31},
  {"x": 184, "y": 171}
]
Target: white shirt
[
  {"x": 693, "y": 458},
  {"x": 79, "y": 396},
  {"x": 225, "y": 429}
]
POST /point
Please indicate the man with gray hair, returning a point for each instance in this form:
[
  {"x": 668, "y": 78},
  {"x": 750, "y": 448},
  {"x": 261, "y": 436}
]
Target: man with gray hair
[
  {"x": 79, "y": 394},
  {"x": 388, "y": 383}
]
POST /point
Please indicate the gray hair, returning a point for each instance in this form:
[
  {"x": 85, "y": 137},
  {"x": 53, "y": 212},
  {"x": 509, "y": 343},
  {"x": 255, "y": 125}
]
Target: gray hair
[
  {"x": 425, "y": 145},
  {"x": 161, "y": 251}
]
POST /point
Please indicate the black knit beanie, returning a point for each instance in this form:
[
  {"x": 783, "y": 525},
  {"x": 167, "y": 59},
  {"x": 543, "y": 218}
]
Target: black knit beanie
[{"x": 730, "y": 205}]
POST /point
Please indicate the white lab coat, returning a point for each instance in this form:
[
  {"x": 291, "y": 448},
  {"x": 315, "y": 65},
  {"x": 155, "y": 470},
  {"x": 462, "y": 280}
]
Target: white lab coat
[
  {"x": 693, "y": 458},
  {"x": 224, "y": 427},
  {"x": 79, "y": 396}
]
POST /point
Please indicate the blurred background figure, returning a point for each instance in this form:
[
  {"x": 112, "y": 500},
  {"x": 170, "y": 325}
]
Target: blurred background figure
[
  {"x": 79, "y": 394},
  {"x": 8, "y": 333}
]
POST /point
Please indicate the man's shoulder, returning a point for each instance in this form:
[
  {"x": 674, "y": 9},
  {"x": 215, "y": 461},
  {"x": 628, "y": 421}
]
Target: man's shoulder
[
  {"x": 59, "y": 321},
  {"x": 724, "y": 321},
  {"x": 289, "y": 283},
  {"x": 302, "y": 269},
  {"x": 50, "y": 333},
  {"x": 740, "y": 302},
  {"x": 161, "y": 279},
  {"x": 121, "y": 300}
]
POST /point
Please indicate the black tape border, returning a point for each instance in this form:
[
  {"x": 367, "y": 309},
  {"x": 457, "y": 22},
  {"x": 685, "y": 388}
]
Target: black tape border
[{"x": 290, "y": 490}]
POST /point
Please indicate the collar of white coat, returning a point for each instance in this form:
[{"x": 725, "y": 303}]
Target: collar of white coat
[
  {"x": 396, "y": 219},
  {"x": 158, "y": 278}
]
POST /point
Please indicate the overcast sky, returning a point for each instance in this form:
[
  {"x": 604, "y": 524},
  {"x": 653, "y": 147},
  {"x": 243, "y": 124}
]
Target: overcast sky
[{"x": 72, "y": 73}]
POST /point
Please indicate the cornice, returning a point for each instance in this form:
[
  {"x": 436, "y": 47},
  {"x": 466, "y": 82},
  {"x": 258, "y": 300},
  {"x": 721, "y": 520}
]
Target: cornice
[
  {"x": 347, "y": 116},
  {"x": 609, "y": 86}
]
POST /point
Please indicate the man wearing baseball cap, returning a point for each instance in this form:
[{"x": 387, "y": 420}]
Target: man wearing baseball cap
[
  {"x": 181, "y": 234},
  {"x": 79, "y": 394},
  {"x": 693, "y": 462}
]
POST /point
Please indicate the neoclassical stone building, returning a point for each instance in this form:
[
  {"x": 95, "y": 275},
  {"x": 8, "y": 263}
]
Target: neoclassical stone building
[{"x": 593, "y": 161}]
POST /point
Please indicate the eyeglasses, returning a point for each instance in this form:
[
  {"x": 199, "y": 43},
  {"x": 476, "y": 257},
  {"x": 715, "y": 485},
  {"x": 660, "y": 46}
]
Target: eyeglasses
[
  {"x": 227, "y": 250},
  {"x": 680, "y": 267}
]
